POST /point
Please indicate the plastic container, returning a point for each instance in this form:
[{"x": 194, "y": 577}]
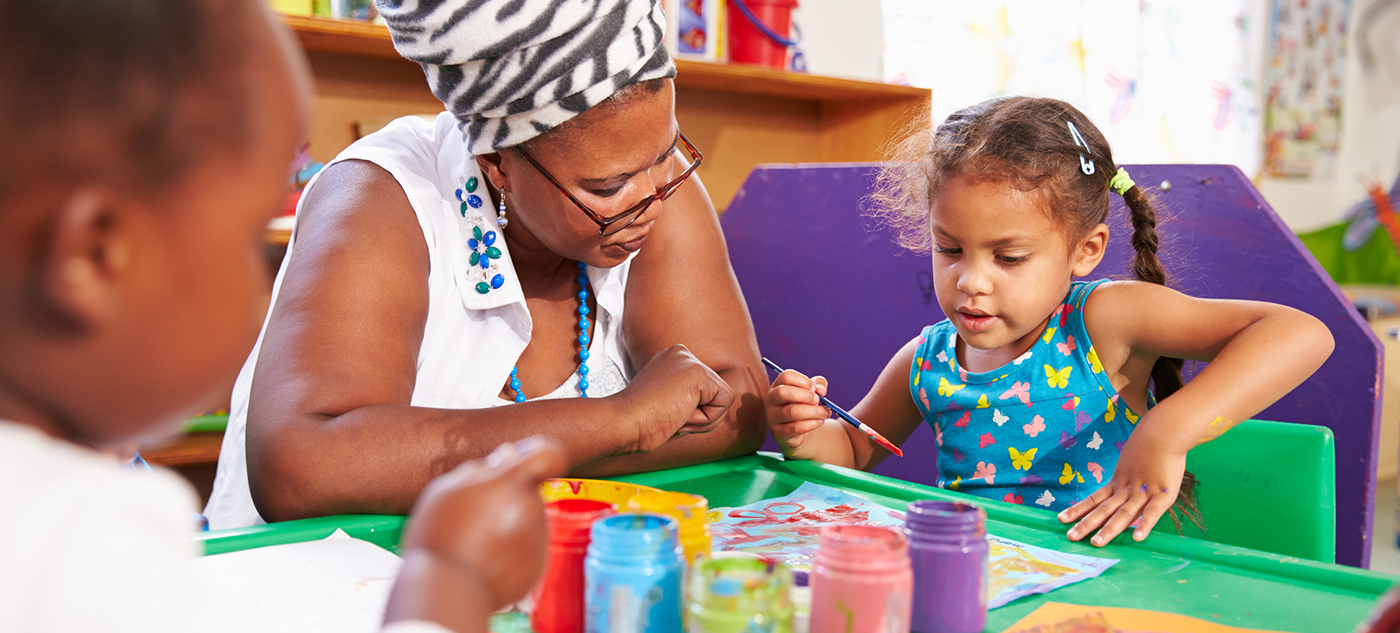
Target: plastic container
[
  {"x": 861, "y": 580},
  {"x": 748, "y": 44},
  {"x": 690, "y": 511},
  {"x": 737, "y": 592},
  {"x": 632, "y": 576},
  {"x": 558, "y": 597},
  {"x": 948, "y": 549},
  {"x": 801, "y": 597},
  {"x": 614, "y": 492}
]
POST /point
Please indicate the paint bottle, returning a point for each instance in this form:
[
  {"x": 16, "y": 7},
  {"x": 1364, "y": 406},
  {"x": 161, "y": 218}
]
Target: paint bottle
[
  {"x": 861, "y": 581},
  {"x": 558, "y": 597},
  {"x": 632, "y": 575},
  {"x": 948, "y": 548},
  {"x": 691, "y": 511},
  {"x": 801, "y": 597},
  {"x": 736, "y": 592}
]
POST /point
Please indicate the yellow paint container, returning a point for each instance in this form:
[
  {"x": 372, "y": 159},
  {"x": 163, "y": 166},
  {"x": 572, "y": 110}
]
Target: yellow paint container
[
  {"x": 616, "y": 493},
  {"x": 692, "y": 511}
]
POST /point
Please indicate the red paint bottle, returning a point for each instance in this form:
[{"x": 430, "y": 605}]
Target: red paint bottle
[{"x": 558, "y": 597}]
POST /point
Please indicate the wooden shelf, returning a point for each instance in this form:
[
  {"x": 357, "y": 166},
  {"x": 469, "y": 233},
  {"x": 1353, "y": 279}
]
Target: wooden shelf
[
  {"x": 756, "y": 80},
  {"x": 187, "y": 449},
  {"x": 740, "y": 116},
  {"x": 349, "y": 37}
]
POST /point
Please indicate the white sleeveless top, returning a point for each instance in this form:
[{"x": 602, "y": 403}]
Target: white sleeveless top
[{"x": 470, "y": 340}]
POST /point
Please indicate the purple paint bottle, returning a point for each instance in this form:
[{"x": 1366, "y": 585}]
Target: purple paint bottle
[{"x": 948, "y": 549}]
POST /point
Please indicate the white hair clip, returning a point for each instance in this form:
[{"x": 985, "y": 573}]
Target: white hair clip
[{"x": 1087, "y": 166}]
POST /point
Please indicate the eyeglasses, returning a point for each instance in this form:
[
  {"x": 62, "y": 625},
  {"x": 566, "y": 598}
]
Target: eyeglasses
[{"x": 611, "y": 225}]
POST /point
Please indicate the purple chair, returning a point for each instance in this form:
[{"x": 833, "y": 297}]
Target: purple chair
[{"x": 830, "y": 296}]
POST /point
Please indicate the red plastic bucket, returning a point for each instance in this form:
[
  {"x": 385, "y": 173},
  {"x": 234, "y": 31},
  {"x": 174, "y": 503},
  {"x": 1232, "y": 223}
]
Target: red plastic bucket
[{"x": 750, "y": 45}]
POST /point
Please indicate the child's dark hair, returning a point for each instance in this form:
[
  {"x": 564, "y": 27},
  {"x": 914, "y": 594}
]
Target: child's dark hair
[
  {"x": 1029, "y": 144},
  {"x": 123, "y": 92}
]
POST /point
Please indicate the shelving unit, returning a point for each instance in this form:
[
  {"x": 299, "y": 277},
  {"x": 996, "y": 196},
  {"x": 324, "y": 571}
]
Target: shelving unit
[{"x": 739, "y": 116}]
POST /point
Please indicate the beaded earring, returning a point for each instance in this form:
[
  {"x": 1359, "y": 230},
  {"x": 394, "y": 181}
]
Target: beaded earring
[{"x": 501, "y": 220}]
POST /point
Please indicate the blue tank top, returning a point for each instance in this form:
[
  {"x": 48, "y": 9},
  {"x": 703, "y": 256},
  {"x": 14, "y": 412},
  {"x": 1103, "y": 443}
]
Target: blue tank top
[{"x": 1044, "y": 430}]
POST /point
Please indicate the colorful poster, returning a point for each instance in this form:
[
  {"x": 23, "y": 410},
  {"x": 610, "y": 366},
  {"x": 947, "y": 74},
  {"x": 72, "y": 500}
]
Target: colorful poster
[
  {"x": 1306, "y": 67},
  {"x": 1167, "y": 81},
  {"x": 1054, "y": 617},
  {"x": 788, "y": 528}
]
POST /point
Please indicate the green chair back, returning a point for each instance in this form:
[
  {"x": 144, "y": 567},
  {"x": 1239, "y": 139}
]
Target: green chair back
[{"x": 1269, "y": 486}]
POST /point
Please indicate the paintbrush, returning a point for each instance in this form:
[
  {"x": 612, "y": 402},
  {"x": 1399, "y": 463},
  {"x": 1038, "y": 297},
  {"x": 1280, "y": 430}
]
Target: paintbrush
[{"x": 841, "y": 413}]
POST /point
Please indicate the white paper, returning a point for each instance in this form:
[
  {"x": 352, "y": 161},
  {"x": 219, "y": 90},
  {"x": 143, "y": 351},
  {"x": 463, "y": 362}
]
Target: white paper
[{"x": 337, "y": 584}]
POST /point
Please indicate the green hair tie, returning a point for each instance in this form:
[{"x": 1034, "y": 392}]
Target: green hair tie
[{"x": 1121, "y": 183}]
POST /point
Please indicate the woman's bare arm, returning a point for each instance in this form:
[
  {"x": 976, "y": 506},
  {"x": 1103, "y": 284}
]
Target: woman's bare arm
[{"x": 330, "y": 429}]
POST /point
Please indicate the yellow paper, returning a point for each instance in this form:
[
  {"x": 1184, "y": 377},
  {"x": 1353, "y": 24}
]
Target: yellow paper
[{"x": 1056, "y": 617}]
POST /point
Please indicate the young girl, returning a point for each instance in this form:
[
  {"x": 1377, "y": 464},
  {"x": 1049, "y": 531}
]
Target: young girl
[{"x": 1037, "y": 386}]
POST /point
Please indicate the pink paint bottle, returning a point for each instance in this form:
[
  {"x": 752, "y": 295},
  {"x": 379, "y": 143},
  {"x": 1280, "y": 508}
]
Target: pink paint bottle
[{"x": 861, "y": 581}]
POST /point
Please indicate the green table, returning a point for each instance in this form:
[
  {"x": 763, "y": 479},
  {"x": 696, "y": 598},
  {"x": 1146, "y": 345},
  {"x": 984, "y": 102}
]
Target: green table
[
  {"x": 1224, "y": 584},
  {"x": 215, "y": 423}
]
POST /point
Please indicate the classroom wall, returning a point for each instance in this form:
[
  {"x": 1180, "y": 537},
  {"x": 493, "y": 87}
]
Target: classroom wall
[
  {"x": 842, "y": 38},
  {"x": 1370, "y": 127},
  {"x": 1371, "y": 103}
]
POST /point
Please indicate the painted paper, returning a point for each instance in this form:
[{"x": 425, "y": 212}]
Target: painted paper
[
  {"x": 1016, "y": 570},
  {"x": 1053, "y": 617},
  {"x": 789, "y": 528},
  {"x": 1167, "y": 81},
  {"x": 1307, "y": 64}
]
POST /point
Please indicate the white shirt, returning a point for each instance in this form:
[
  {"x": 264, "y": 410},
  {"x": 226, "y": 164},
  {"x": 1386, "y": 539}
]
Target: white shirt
[
  {"x": 470, "y": 340},
  {"x": 87, "y": 544}
]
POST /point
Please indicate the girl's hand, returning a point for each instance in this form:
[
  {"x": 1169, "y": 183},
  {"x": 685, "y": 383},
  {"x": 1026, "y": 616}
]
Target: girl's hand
[
  {"x": 794, "y": 410},
  {"x": 482, "y": 522},
  {"x": 1144, "y": 485}
]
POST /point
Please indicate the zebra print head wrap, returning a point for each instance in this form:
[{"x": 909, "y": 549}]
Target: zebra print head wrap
[{"x": 511, "y": 70}]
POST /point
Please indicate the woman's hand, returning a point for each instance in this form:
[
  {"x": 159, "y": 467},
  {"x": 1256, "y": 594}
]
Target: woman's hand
[
  {"x": 674, "y": 394},
  {"x": 476, "y": 542},
  {"x": 794, "y": 410},
  {"x": 1144, "y": 485}
]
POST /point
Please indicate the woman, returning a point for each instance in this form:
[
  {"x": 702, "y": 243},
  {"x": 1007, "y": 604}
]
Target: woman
[{"x": 496, "y": 257}]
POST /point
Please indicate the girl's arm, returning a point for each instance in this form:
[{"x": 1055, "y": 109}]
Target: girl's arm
[
  {"x": 805, "y": 429},
  {"x": 1258, "y": 352},
  {"x": 476, "y": 541}
]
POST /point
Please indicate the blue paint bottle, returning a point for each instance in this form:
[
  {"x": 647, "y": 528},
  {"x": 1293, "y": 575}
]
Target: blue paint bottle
[{"x": 632, "y": 575}]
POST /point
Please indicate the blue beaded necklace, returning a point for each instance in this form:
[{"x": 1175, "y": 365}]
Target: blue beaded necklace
[{"x": 582, "y": 339}]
